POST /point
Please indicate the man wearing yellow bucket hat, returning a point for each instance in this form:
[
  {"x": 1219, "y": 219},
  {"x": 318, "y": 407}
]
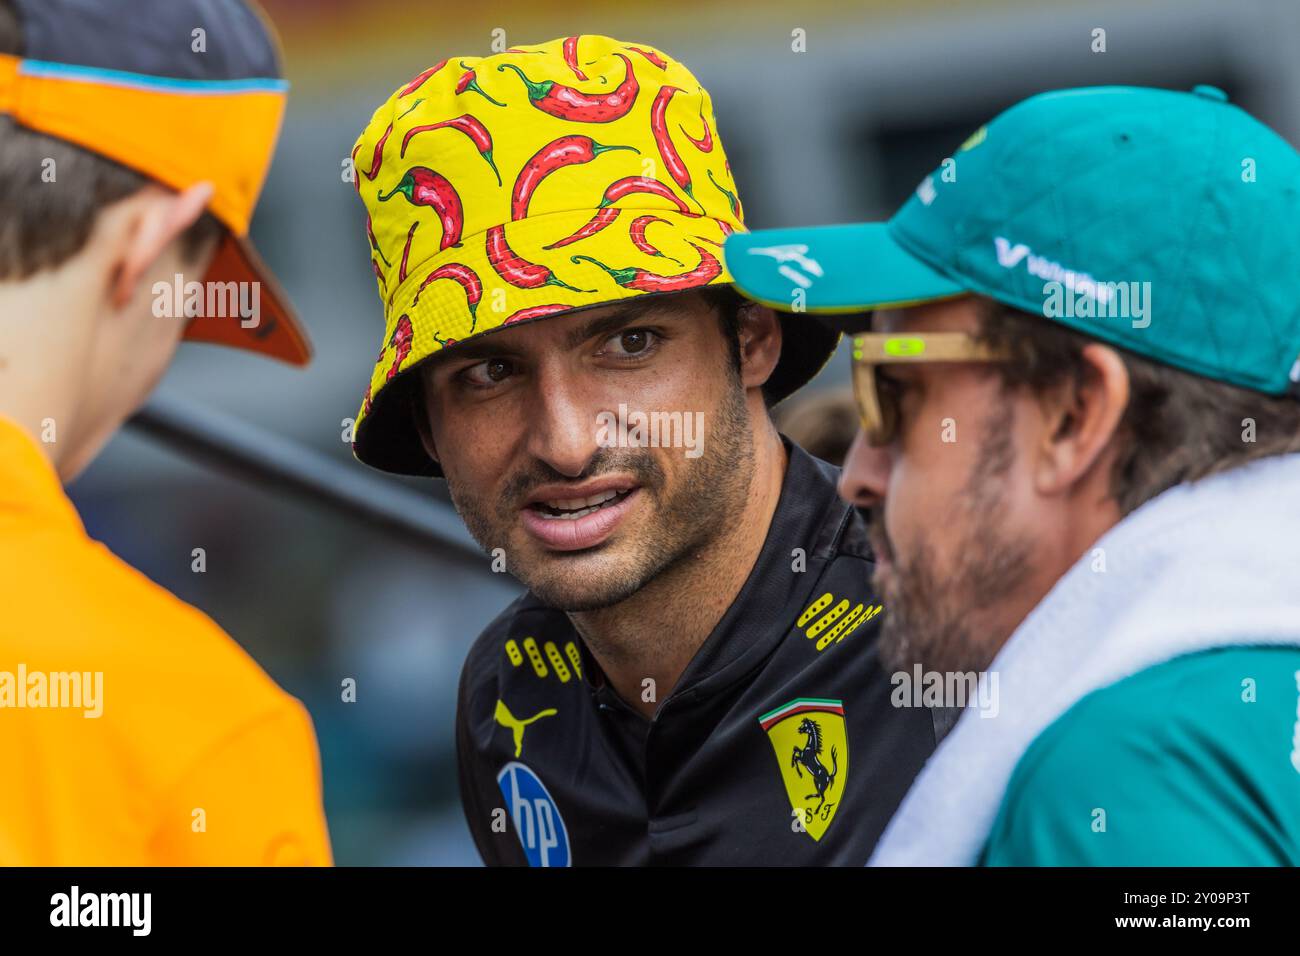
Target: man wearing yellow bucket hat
[
  {"x": 134, "y": 731},
  {"x": 563, "y": 345}
]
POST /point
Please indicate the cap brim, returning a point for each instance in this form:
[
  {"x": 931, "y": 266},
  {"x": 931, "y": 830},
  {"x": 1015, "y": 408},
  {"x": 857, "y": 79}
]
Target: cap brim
[
  {"x": 832, "y": 270},
  {"x": 277, "y": 332}
]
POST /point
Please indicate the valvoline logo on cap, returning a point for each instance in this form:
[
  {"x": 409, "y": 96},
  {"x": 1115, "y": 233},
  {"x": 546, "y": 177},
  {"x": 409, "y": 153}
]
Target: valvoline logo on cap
[{"x": 536, "y": 817}]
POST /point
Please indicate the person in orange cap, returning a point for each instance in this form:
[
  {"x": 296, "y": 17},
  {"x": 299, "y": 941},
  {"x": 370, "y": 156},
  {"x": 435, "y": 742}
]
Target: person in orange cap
[
  {"x": 690, "y": 678},
  {"x": 134, "y": 731}
]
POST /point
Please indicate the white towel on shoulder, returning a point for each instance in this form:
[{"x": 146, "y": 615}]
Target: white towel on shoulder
[{"x": 1205, "y": 565}]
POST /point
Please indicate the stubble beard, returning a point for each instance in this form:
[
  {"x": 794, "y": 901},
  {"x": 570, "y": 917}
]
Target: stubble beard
[
  {"x": 681, "y": 523},
  {"x": 932, "y": 616}
]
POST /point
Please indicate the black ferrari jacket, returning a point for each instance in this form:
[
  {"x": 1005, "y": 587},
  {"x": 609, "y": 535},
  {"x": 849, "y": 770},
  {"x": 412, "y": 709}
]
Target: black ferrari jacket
[{"x": 779, "y": 744}]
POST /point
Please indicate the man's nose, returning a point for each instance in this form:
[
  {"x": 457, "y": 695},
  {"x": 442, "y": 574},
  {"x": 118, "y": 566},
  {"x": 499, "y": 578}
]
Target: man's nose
[
  {"x": 561, "y": 425},
  {"x": 866, "y": 473}
]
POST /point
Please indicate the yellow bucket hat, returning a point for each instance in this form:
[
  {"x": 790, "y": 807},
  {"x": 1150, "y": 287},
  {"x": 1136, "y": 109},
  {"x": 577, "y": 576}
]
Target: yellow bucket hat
[{"x": 528, "y": 184}]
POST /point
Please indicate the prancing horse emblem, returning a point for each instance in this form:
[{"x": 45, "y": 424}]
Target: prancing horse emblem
[
  {"x": 809, "y": 758},
  {"x": 811, "y": 743}
]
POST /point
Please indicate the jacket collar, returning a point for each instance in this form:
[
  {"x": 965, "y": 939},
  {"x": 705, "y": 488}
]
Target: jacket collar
[{"x": 809, "y": 515}]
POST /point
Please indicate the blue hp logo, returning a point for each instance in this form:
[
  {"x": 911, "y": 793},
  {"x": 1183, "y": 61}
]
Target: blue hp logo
[{"x": 537, "y": 819}]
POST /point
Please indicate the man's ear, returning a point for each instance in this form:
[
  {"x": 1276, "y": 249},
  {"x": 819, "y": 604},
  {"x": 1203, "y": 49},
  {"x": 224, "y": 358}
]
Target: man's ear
[
  {"x": 1080, "y": 421},
  {"x": 154, "y": 218},
  {"x": 760, "y": 344}
]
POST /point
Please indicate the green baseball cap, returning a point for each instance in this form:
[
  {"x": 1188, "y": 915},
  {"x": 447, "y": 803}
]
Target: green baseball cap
[{"x": 1165, "y": 223}]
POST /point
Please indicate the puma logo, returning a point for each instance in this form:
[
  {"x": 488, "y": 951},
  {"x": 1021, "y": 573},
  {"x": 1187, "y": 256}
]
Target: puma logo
[{"x": 516, "y": 726}]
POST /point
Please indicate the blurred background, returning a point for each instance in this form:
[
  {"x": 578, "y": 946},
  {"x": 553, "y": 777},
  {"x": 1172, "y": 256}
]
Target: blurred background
[{"x": 841, "y": 131}]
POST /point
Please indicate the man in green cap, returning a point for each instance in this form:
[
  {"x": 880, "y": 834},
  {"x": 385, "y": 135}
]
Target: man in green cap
[{"x": 1080, "y": 437}]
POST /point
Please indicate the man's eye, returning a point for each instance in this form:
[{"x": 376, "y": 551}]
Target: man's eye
[
  {"x": 630, "y": 342},
  {"x": 488, "y": 373},
  {"x": 888, "y": 381},
  {"x": 890, "y": 389}
]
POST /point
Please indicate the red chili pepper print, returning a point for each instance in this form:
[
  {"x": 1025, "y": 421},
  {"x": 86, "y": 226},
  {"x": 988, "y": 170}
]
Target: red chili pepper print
[
  {"x": 374, "y": 243},
  {"x": 569, "y": 103},
  {"x": 377, "y": 158},
  {"x": 565, "y": 151},
  {"x": 406, "y": 252},
  {"x": 659, "y": 129},
  {"x": 468, "y": 279},
  {"x": 724, "y": 228},
  {"x": 571, "y": 57},
  {"x": 535, "y": 312},
  {"x": 419, "y": 81},
  {"x": 631, "y": 185},
  {"x": 731, "y": 197},
  {"x": 652, "y": 56},
  {"x": 705, "y": 143},
  {"x": 423, "y": 187},
  {"x": 518, "y": 271},
  {"x": 402, "y": 337},
  {"x": 471, "y": 127},
  {"x": 595, "y": 224},
  {"x": 645, "y": 281},
  {"x": 469, "y": 81},
  {"x": 636, "y": 232},
  {"x": 365, "y": 403}
]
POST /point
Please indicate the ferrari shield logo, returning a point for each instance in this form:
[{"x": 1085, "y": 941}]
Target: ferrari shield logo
[{"x": 812, "y": 750}]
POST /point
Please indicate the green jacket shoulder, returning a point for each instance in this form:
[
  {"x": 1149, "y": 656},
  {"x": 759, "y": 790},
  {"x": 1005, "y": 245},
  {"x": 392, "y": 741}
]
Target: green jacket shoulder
[{"x": 1193, "y": 762}]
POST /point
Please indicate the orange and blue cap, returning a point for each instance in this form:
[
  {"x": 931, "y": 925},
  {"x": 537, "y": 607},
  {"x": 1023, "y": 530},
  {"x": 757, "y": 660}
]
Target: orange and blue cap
[{"x": 181, "y": 91}]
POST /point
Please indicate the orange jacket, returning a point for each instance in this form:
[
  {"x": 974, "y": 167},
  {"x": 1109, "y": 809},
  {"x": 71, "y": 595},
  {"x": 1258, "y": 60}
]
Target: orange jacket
[{"x": 169, "y": 745}]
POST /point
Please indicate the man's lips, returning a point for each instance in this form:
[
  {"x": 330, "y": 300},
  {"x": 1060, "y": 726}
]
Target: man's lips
[
  {"x": 570, "y": 492},
  {"x": 568, "y": 517}
]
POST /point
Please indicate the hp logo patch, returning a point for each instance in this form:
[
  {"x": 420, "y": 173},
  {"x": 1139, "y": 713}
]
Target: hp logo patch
[{"x": 537, "y": 818}]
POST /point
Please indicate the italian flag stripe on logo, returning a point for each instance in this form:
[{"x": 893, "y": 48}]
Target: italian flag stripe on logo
[{"x": 800, "y": 705}]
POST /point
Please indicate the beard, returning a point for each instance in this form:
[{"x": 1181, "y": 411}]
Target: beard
[
  {"x": 679, "y": 521},
  {"x": 929, "y": 610}
]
